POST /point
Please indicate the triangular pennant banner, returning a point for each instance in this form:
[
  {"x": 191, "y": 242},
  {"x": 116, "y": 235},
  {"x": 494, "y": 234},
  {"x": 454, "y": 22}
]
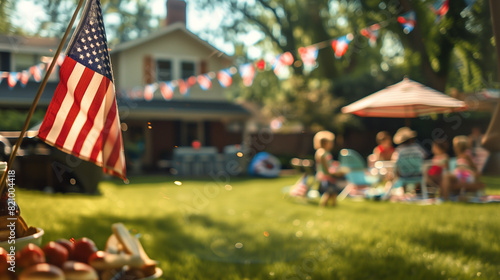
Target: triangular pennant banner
[
  {"x": 261, "y": 64},
  {"x": 440, "y": 8},
  {"x": 247, "y": 72},
  {"x": 371, "y": 33},
  {"x": 225, "y": 78},
  {"x": 341, "y": 44},
  {"x": 36, "y": 72},
  {"x": 408, "y": 21},
  {"x": 149, "y": 91},
  {"x": 167, "y": 90},
  {"x": 468, "y": 8},
  {"x": 13, "y": 78},
  {"x": 204, "y": 81},
  {"x": 25, "y": 76},
  {"x": 309, "y": 55},
  {"x": 184, "y": 86}
]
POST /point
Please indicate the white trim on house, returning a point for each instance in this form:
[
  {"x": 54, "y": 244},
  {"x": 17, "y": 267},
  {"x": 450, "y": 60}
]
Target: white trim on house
[{"x": 162, "y": 32}]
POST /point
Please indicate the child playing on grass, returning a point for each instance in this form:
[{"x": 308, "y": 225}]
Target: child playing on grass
[
  {"x": 465, "y": 176},
  {"x": 325, "y": 170}
]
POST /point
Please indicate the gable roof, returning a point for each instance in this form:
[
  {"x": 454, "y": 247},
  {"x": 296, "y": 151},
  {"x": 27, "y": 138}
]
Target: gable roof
[
  {"x": 162, "y": 32},
  {"x": 22, "y": 44}
]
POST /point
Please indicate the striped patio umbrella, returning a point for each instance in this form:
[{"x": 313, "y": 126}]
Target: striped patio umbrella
[{"x": 406, "y": 99}]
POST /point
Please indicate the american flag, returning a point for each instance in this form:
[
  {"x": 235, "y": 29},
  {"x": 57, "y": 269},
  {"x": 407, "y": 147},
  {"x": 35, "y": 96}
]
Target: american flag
[{"x": 82, "y": 118}]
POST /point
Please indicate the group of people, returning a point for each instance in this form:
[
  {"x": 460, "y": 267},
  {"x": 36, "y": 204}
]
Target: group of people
[{"x": 451, "y": 176}]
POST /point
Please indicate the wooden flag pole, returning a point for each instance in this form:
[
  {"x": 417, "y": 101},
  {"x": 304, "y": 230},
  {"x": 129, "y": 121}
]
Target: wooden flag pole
[{"x": 38, "y": 95}]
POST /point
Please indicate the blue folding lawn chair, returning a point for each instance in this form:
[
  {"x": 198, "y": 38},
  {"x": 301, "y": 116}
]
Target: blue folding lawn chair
[{"x": 357, "y": 176}]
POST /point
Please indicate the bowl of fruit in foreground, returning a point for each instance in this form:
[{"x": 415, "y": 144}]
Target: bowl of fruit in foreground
[{"x": 21, "y": 242}]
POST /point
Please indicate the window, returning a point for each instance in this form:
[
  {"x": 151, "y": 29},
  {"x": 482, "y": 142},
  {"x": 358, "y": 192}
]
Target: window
[
  {"x": 4, "y": 61},
  {"x": 164, "y": 70},
  {"x": 24, "y": 61},
  {"x": 187, "y": 69}
]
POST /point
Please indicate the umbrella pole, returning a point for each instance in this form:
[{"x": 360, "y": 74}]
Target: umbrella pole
[{"x": 407, "y": 122}]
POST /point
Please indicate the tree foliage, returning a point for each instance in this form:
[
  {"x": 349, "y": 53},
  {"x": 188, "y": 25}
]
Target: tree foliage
[
  {"x": 125, "y": 20},
  {"x": 456, "y": 51},
  {"x": 6, "y": 9}
]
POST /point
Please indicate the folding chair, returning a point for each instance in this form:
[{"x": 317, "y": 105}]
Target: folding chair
[
  {"x": 358, "y": 176},
  {"x": 409, "y": 171}
]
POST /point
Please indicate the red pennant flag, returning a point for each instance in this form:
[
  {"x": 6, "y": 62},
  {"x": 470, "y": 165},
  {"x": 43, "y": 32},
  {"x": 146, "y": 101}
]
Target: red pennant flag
[
  {"x": 167, "y": 90},
  {"x": 440, "y": 8},
  {"x": 25, "y": 76},
  {"x": 36, "y": 72},
  {"x": 287, "y": 58},
  {"x": 184, "y": 86},
  {"x": 149, "y": 91},
  {"x": 82, "y": 118},
  {"x": 225, "y": 78},
  {"x": 371, "y": 33},
  {"x": 204, "y": 81},
  {"x": 341, "y": 44},
  {"x": 408, "y": 21},
  {"x": 13, "y": 78},
  {"x": 308, "y": 55},
  {"x": 247, "y": 72},
  {"x": 261, "y": 65}
]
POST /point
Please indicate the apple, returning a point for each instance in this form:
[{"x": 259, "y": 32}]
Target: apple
[
  {"x": 68, "y": 245},
  {"x": 83, "y": 249},
  {"x": 55, "y": 253},
  {"x": 42, "y": 271},
  {"x": 30, "y": 255},
  {"x": 78, "y": 270},
  {"x": 4, "y": 265}
]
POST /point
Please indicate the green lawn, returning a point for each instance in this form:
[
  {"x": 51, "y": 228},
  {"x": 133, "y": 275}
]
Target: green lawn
[{"x": 240, "y": 228}]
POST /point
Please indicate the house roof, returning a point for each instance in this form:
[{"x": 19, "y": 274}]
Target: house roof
[
  {"x": 162, "y": 32},
  {"x": 180, "y": 109},
  {"x": 22, "y": 44},
  {"x": 21, "y": 97}
]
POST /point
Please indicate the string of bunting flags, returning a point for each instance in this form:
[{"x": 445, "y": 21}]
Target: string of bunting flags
[{"x": 279, "y": 64}]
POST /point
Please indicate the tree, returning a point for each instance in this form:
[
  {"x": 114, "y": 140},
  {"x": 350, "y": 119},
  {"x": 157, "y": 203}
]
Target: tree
[
  {"x": 457, "y": 46},
  {"x": 6, "y": 8},
  {"x": 131, "y": 18},
  {"x": 455, "y": 43}
]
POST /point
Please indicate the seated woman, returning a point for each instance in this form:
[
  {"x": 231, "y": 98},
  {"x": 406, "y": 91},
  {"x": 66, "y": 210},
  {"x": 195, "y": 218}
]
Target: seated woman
[
  {"x": 408, "y": 156},
  {"x": 465, "y": 176}
]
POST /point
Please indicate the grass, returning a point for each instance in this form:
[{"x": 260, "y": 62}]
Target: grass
[{"x": 240, "y": 228}]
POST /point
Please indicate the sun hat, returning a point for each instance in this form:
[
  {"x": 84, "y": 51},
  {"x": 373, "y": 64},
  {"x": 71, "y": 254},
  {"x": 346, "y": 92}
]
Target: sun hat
[
  {"x": 322, "y": 135},
  {"x": 404, "y": 134}
]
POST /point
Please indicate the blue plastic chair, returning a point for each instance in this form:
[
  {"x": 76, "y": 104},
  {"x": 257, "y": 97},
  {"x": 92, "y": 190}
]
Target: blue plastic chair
[
  {"x": 410, "y": 172},
  {"x": 358, "y": 174}
]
